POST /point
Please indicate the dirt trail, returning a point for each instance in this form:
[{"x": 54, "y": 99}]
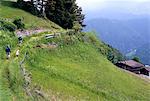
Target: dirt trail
[
  {"x": 31, "y": 90},
  {"x": 26, "y": 74},
  {"x": 31, "y": 32}
]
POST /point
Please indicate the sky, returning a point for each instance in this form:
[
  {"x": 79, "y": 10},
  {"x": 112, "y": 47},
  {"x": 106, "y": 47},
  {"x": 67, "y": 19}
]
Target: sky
[
  {"x": 91, "y": 5},
  {"x": 96, "y": 3}
]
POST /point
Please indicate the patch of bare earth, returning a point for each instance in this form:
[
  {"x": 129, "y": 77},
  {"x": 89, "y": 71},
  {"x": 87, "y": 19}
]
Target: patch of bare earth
[{"x": 31, "y": 32}]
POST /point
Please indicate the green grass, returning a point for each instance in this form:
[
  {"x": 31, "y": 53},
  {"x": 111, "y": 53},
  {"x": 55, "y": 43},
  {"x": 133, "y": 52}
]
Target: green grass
[
  {"x": 80, "y": 71},
  {"x": 7, "y": 11},
  {"x": 77, "y": 71},
  {"x": 10, "y": 84}
]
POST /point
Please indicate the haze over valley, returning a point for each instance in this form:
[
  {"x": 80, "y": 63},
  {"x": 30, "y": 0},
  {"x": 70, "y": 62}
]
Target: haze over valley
[{"x": 123, "y": 24}]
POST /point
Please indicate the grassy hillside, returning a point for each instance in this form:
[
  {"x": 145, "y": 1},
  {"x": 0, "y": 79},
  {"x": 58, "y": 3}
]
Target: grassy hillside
[
  {"x": 80, "y": 71},
  {"x": 9, "y": 12},
  {"x": 73, "y": 70}
]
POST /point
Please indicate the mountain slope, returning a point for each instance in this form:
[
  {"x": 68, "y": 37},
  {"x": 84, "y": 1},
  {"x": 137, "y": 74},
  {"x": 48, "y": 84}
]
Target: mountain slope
[
  {"x": 63, "y": 68},
  {"x": 76, "y": 71},
  {"x": 143, "y": 52},
  {"x": 9, "y": 12},
  {"x": 81, "y": 65},
  {"x": 125, "y": 35}
]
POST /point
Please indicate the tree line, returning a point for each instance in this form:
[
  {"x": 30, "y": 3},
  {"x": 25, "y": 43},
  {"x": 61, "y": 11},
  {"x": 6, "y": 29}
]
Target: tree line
[{"x": 65, "y": 13}]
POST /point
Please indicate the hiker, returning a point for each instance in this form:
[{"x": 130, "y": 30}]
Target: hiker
[
  {"x": 8, "y": 52},
  {"x": 17, "y": 53},
  {"x": 20, "y": 39}
]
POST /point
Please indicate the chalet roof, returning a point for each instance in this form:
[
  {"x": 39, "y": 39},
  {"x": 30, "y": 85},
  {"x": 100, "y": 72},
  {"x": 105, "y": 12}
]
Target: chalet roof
[
  {"x": 147, "y": 68},
  {"x": 132, "y": 63}
]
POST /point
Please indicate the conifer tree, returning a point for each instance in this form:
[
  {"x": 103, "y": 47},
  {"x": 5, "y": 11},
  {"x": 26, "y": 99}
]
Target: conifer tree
[{"x": 64, "y": 12}]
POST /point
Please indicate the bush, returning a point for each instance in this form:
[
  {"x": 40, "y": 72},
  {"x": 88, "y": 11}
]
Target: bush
[
  {"x": 5, "y": 25},
  {"x": 77, "y": 27},
  {"x": 68, "y": 40},
  {"x": 92, "y": 39},
  {"x": 18, "y": 22},
  {"x": 137, "y": 59}
]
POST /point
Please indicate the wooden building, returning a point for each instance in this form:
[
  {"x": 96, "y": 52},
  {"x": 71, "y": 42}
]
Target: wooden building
[
  {"x": 145, "y": 71},
  {"x": 131, "y": 65}
]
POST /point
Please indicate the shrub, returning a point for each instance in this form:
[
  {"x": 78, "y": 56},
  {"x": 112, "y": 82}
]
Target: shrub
[
  {"x": 18, "y": 22},
  {"x": 137, "y": 59},
  {"x": 92, "y": 39},
  {"x": 5, "y": 25},
  {"x": 77, "y": 27}
]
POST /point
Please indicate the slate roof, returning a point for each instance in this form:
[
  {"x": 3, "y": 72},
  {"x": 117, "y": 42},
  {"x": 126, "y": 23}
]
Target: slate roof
[
  {"x": 132, "y": 63},
  {"x": 147, "y": 68}
]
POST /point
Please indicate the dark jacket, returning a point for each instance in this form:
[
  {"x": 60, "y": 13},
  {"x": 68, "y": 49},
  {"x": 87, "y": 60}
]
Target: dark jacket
[
  {"x": 7, "y": 49},
  {"x": 20, "y": 38}
]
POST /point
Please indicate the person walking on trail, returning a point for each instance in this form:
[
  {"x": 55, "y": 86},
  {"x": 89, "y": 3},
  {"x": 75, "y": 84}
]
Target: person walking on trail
[
  {"x": 8, "y": 51},
  {"x": 20, "y": 39},
  {"x": 17, "y": 53}
]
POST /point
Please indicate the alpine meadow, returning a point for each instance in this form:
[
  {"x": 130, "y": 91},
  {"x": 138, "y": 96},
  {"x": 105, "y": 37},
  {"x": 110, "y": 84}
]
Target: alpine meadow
[{"x": 45, "y": 55}]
